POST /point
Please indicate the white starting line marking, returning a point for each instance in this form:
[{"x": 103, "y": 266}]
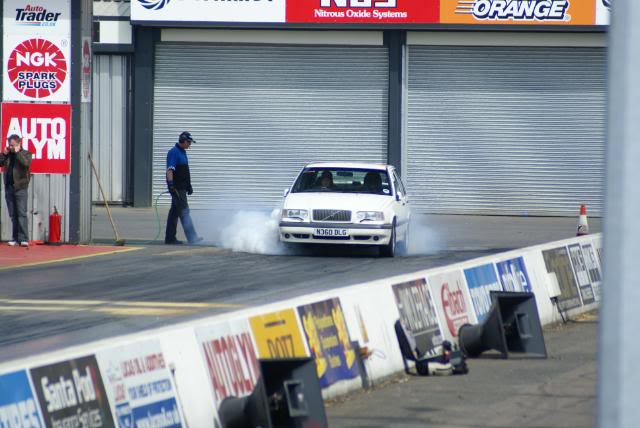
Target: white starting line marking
[{"x": 118, "y": 307}]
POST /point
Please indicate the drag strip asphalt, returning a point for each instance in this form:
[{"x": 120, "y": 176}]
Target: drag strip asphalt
[{"x": 48, "y": 307}]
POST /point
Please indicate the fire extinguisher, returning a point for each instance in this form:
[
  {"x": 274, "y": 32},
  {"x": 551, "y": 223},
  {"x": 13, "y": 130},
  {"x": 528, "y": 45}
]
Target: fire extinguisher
[{"x": 55, "y": 225}]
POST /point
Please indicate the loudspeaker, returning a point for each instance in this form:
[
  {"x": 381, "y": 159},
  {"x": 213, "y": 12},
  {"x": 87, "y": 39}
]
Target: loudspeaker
[
  {"x": 512, "y": 326},
  {"x": 287, "y": 395}
]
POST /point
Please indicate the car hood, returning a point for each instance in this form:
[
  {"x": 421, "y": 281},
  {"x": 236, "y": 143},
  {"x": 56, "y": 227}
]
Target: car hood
[{"x": 345, "y": 201}]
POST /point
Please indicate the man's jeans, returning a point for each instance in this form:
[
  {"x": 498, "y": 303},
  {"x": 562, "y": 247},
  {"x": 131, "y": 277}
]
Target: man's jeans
[
  {"x": 17, "y": 206},
  {"x": 179, "y": 210}
]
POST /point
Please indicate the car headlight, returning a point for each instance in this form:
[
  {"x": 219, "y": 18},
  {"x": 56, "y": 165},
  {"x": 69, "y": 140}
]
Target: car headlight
[
  {"x": 299, "y": 214},
  {"x": 370, "y": 215}
]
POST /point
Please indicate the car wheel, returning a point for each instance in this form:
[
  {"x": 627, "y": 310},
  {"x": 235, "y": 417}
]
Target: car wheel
[{"x": 389, "y": 250}]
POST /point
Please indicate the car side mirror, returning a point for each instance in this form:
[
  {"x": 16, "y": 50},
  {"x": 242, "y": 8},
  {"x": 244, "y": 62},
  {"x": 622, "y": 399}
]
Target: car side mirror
[
  {"x": 285, "y": 193},
  {"x": 398, "y": 196}
]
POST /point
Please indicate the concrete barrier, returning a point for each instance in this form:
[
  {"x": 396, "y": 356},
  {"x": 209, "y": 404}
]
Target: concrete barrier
[{"x": 178, "y": 375}]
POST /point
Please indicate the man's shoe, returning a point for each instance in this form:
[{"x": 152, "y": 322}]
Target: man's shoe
[
  {"x": 24, "y": 243},
  {"x": 196, "y": 240},
  {"x": 13, "y": 243},
  {"x": 173, "y": 242}
]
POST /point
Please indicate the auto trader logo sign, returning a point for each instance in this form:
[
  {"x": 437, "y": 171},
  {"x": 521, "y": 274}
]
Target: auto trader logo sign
[
  {"x": 37, "y": 70},
  {"x": 550, "y": 12}
]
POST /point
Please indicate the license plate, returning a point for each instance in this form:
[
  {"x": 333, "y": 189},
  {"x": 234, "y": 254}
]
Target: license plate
[{"x": 330, "y": 232}]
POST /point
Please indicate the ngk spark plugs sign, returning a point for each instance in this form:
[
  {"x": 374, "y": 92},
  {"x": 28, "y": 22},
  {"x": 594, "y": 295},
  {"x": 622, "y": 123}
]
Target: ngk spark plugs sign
[
  {"x": 208, "y": 11},
  {"x": 230, "y": 358},
  {"x": 36, "y": 69},
  {"x": 71, "y": 394},
  {"x": 46, "y": 132},
  {"x": 139, "y": 386},
  {"x": 452, "y": 300},
  {"x": 536, "y": 12},
  {"x": 363, "y": 11},
  {"x": 18, "y": 407}
]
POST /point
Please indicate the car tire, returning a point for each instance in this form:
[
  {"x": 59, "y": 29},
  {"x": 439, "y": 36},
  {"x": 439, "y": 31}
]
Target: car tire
[{"x": 390, "y": 249}]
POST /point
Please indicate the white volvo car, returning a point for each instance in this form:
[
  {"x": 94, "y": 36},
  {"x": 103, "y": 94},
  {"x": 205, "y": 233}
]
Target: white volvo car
[{"x": 347, "y": 203}]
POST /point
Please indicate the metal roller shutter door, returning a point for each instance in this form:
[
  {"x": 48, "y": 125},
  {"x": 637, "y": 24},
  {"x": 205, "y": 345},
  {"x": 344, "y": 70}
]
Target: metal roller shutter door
[
  {"x": 260, "y": 113},
  {"x": 506, "y": 131}
]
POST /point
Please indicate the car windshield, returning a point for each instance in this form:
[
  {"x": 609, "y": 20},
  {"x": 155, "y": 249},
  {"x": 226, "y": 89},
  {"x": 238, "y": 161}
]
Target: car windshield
[{"x": 343, "y": 180}]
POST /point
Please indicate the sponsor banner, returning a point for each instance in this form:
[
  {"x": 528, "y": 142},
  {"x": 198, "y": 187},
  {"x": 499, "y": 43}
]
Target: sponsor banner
[
  {"x": 363, "y": 11},
  {"x": 230, "y": 357},
  {"x": 277, "y": 335},
  {"x": 593, "y": 268},
  {"x": 208, "y": 11},
  {"x": 37, "y": 18},
  {"x": 46, "y": 132},
  {"x": 329, "y": 341},
  {"x": 36, "y": 68},
  {"x": 513, "y": 275},
  {"x": 510, "y": 12},
  {"x": 139, "y": 385},
  {"x": 603, "y": 11},
  {"x": 481, "y": 280},
  {"x": 582, "y": 274},
  {"x": 557, "y": 262},
  {"x": 418, "y": 315},
  {"x": 85, "y": 95},
  {"x": 18, "y": 408},
  {"x": 452, "y": 300},
  {"x": 71, "y": 394}
]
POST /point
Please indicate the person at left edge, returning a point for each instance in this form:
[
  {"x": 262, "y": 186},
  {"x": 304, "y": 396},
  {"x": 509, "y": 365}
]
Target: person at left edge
[
  {"x": 16, "y": 162},
  {"x": 179, "y": 185}
]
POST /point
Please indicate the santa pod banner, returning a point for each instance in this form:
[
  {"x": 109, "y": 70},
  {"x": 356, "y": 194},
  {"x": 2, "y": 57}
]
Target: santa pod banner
[
  {"x": 37, "y": 69},
  {"x": 46, "y": 132}
]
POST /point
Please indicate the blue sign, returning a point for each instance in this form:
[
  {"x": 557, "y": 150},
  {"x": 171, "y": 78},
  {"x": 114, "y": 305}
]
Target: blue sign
[
  {"x": 161, "y": 414},
  {"x": 481, "y": 281},
  {"x": 18, "y": 408},
  {"x": 513, "y": 275}
]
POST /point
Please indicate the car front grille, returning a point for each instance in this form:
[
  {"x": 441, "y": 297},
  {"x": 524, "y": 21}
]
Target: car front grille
[{"x": 331, "y": 215}]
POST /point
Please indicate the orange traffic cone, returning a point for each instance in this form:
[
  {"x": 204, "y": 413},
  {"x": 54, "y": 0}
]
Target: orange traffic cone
[{"x": 583, "y": 224}]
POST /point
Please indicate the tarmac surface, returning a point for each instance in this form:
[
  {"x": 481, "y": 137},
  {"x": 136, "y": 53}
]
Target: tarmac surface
[
  {"x": 51, "y": 306},
  {"x": 558, "y": 392}
]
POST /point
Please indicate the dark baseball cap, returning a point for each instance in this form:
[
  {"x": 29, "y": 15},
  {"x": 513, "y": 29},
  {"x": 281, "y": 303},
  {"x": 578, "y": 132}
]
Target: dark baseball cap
[{"x": 186, "y": 136}]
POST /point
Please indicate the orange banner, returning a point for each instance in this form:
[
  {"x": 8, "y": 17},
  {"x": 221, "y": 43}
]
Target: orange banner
[{"x": 518, "y": 12}]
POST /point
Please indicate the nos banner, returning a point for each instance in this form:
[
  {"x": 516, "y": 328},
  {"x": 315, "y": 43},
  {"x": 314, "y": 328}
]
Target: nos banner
[{"x": 46, "y": 132}]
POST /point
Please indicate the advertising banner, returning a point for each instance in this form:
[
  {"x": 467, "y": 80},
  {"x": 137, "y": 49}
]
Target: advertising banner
[
  {"x": 230, "y": 358},
  {"x": 208, "y": 11},
  {"x": 277, "y": 335},
  {"x": 71, "y": 394},
  {"x": 593, "y": 268},
  {"x": 418, "y": 314},
  {"x": 36, "y": 68},
  {"x": 46, "y": 132},
  {"x": 452, "y": 301},
  {"x": 510, "y": 12},
  {"x": 557, "y": 261},
  {"x": 582, "y": 274},
  {"x": 139, "y": 386},
  {"x": 37, "y": 18},
  {"x": 363, "y": 11},
  {"x": 513, "y": 275},
  {"x": 85, "y": 95},
  {"x": 481, "y": 281},
  {"x": 329, "y": 341},
  {"x": 603, "y": 11},
  {"x": 18, "y": 408}
]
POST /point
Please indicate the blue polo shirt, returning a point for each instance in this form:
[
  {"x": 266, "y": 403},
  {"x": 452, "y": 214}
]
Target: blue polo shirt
[{"x": 178, "y": 161}]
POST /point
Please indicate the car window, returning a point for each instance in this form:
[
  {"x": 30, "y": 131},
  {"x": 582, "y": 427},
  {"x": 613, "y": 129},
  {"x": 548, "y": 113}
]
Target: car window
[
  {"x": 343, "y": 180},
  {"x": 398, "y": 183}
]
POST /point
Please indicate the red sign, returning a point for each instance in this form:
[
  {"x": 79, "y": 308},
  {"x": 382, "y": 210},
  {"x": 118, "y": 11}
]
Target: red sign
[
  {"x": 364, "y": 11},
  {"x": 37, "y": 68},
  {"x": 46, "y": 132}
]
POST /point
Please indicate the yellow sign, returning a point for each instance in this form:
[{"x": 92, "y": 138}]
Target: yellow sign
[{"x": 277, "y": 335}]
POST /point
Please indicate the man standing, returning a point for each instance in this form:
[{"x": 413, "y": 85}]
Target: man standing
[
  {"x": 179, "y": 185},
  {"x": 16, "y": 162}
]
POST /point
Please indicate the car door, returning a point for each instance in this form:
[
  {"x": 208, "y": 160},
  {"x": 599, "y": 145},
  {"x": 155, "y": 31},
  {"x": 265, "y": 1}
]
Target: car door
[{"x": 401, "y": 205}]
